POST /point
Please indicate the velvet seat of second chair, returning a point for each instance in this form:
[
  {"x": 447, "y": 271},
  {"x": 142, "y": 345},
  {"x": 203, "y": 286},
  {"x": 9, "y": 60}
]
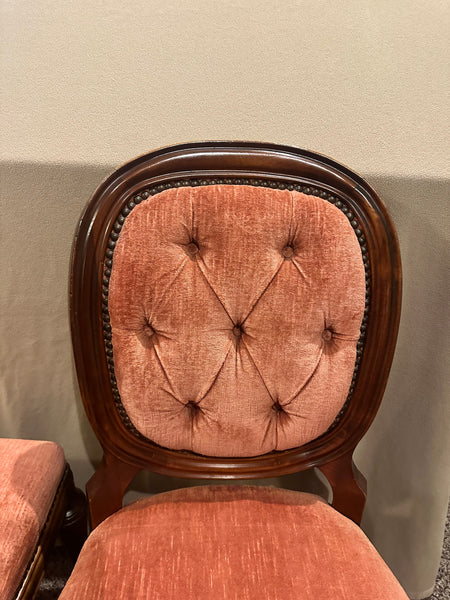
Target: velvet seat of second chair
[{"x": 30, "y": 474}]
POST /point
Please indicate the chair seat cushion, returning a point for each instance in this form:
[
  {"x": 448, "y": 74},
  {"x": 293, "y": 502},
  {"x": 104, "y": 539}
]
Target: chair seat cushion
[
  {"x": 30, "y": 472},
  {"x": 230, "y": 543}
]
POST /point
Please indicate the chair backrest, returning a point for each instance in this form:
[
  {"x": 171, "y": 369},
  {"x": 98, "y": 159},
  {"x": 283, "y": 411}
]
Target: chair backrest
[{"x": 234, "y": 311}]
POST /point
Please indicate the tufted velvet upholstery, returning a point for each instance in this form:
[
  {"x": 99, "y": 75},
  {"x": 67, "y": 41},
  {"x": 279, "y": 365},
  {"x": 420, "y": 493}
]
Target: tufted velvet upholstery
[
  {"x": 235, "y": 313},
  {"x": 30, "y": 472},
  {"x": 230, "y": 543}
]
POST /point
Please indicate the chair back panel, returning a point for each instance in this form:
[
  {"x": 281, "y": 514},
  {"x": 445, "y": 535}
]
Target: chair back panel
[{"x": 235, "y": 312}]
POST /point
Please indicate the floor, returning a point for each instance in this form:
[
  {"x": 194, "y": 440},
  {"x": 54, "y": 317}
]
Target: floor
[{"x": 442, "y": 589}]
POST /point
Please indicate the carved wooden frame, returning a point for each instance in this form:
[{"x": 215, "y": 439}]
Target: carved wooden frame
[{"x": 248, "y": 163}]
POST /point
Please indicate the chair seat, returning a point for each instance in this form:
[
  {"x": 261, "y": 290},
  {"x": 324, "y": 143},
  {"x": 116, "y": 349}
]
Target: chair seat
[
  {"x": 30, "y": 472},
  {"x": 230, "y": 543}
]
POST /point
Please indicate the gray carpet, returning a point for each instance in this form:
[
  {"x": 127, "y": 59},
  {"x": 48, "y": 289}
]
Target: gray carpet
[
  {"x": 58, "y": 570},
  {"x": 60, "y": 567},
  {"x": 442, "y": 589}
]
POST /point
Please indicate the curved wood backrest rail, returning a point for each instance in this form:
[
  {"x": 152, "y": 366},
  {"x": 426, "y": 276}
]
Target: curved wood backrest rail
[{"x": 125, "y": 453}]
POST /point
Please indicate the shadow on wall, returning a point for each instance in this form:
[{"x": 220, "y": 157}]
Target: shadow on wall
[
  {"x": 41, "y": 206},
  {"x": 403, "y": 454}
]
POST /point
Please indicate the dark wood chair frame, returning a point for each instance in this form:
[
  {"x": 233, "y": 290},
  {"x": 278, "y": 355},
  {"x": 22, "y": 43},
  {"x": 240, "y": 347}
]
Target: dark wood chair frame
[
  {"x": 126, "y": 452},
  {"x": 67, "y": 518}
]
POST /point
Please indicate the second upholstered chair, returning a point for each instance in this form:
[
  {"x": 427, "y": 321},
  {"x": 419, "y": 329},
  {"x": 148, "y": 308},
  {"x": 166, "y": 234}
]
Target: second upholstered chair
[
  {"x": 234, "y": 315},
  {"x": 38, "y": 502}
]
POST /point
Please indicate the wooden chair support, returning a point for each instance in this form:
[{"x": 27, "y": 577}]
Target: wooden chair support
[
  {"x": 105, "y": 489},
  {"x": 349, "y": 486}
]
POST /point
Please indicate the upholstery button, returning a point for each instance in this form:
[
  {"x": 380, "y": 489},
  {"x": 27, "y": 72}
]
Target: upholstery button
[
  {"x": 193, "y": 406},
  {"x": 192, "y": 249},
  {"x": 148, "y": 329},
  {"x": 237, "y": 330},
  {"x": 276, "y": 406},
  {"x": 288, "y": 252},
  {"x": 327, "y": 334}
]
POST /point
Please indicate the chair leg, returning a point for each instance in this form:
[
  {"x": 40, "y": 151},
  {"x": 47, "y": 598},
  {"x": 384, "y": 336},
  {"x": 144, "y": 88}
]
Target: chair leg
[
  {"x": 349, "y": 486},
  {"x": 74, "y": 528},
  {"x": 105, "y": 489}
]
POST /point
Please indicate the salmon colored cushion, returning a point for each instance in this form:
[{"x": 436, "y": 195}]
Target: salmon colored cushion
[
  {"x": 235, "y": 314},
  {"x": 230, "y": 543},
  {"x": 30, "y": 473}
]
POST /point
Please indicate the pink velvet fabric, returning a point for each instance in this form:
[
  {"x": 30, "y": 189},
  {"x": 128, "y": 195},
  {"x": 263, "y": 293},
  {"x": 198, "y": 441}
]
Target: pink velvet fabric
[
  {"x": 230, "y": 543},
  {"x": 30, "y": 473},
  {"x": 235, "y": 313}
]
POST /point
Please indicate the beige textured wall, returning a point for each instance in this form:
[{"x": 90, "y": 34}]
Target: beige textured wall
[
  {"x": 89, "y": 85},
  {"x": 97, "y": 82}
]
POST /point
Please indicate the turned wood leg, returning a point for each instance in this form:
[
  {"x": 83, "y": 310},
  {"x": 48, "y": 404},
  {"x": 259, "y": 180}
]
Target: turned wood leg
[
  {"x": 349, "y": 486},
  {"x": 74, "y": 528},
  {"x": 105, "y": 489}
]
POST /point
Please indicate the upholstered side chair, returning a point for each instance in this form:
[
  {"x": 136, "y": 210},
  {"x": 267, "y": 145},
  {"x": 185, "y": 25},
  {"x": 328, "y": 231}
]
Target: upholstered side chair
[
  {"x": 234, "y": 313},
  {"x": 38, "y": 502}
]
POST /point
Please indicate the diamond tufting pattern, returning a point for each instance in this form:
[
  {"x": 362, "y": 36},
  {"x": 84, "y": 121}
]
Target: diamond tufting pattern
[{"x": 235, "y": 313}]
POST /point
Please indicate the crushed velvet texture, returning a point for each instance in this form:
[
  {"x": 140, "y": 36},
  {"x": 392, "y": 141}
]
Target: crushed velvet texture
[
  {"x": 30, "y": 473},
  {"x": 235, "y": 313},
  {"x": 230, "y": 543}
]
